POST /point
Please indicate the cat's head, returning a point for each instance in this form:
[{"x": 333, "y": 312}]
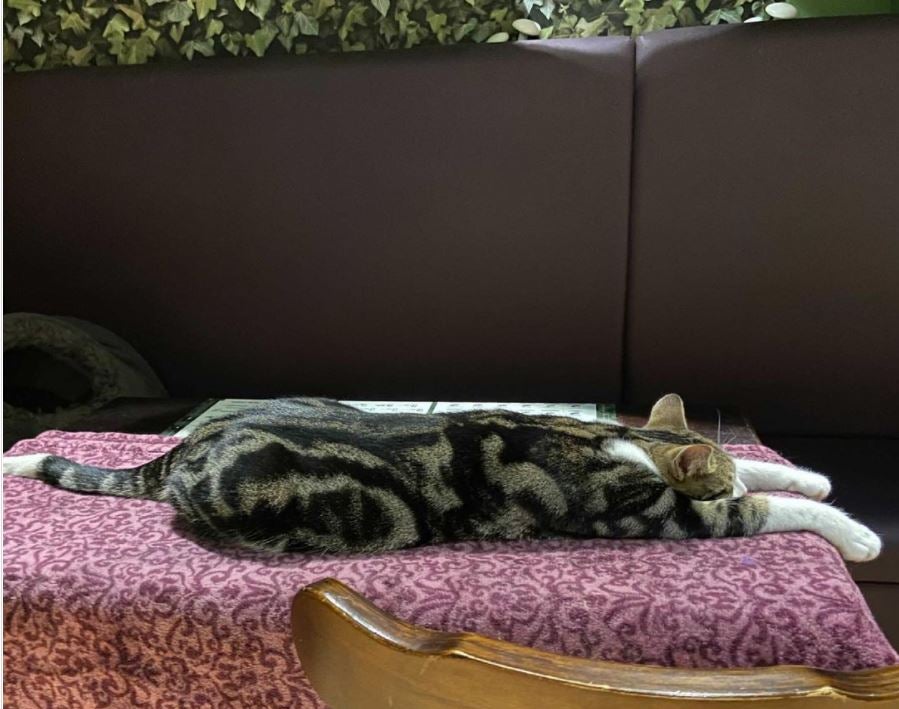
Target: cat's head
[{"x": 689, "y": 462}]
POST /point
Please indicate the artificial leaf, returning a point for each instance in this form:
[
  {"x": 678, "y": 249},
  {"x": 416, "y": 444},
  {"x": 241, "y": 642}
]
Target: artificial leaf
[
  {"x": 232, "y": 42},
  {"x": 117, "y": 26},
  {"x": 308, "y": 25},
  {"x": 73, "y": 21},
  {"x": 177, "y": 11},
  {"x": 259, "y": 41},
  {"x": 436, "y": 21},
  {"x": 260, "y": 8},
  {"x": 133, "y": 14},
  {"x": 204, "y": 7},
  {"x": 79, "y": 57},
  {"x": 30, "y": 8},
  {"x": 214, "y": 27}
]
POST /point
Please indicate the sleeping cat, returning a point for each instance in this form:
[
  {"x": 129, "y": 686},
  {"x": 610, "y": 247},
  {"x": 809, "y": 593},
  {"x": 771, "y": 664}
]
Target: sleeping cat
[{"x": 314, "y": 475}]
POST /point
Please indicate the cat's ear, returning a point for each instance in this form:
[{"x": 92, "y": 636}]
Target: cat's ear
[
  {"x": 668, "y": 413},
  {"x": 691, "y": 462}
]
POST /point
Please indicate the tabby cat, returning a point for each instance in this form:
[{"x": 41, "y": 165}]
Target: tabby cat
[{"x": 314, "y": 475}]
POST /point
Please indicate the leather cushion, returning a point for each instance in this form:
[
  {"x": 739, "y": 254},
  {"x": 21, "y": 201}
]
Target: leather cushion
[
  {"x": 765, "y": 223},
  {"x": 447, "y": 223}
]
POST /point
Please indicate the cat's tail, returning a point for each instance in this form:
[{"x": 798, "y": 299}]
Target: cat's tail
[{"x": 145, "y": 481}]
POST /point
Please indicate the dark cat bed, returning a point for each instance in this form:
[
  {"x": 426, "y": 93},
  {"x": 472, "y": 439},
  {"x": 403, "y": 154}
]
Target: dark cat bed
[{"x": 58, "y": 369}]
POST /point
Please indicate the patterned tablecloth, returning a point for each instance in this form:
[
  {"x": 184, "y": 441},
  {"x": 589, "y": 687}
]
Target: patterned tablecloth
[{"x": 106, "y": 604}]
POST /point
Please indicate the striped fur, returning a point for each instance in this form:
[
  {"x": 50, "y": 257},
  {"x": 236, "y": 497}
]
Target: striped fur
[{"x": 317, "y": 476}]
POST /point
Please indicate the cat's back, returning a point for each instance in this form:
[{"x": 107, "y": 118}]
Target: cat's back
[{"x": 308, "y": 421}]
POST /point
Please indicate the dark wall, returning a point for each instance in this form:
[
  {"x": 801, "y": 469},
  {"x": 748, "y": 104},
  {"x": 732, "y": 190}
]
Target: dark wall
[
  {"x": 765, "y": 222},
  {"x": 411, "y": 224}
]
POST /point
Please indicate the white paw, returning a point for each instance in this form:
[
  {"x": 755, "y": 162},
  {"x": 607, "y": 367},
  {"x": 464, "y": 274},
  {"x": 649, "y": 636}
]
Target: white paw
[
  {"x": 810, "y": 484},
  {"x": 23, "y": 466},
  {"x": 859, "y": 543}
]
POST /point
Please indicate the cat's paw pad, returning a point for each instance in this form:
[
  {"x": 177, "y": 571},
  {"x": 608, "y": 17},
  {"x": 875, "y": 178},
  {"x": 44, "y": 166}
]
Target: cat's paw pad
[
  {"x": 858, "y": 543},
  {"x": 812, "y": 485}
]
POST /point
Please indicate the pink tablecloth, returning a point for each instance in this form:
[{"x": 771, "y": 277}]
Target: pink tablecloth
[{"x": 106, "y": 605}]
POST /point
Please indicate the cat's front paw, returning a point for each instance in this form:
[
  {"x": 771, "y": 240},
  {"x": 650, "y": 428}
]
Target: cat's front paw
[
  {"x": 858, "y": 543},
  {"x": 810, "y": 484}
]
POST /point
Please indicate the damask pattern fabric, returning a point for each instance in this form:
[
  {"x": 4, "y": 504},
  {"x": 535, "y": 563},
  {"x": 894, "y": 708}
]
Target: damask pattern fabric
[
  {"x": 44, "y": 34},
  {"x": 107, "y": 604}
]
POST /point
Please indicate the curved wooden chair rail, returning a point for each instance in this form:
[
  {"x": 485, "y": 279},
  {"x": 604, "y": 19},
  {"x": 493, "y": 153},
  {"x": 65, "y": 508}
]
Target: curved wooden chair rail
[{"x": 358, "y": 657}]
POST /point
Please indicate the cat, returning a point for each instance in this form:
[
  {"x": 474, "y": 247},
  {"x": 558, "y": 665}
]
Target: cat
[{"x": 314, "y": 475}]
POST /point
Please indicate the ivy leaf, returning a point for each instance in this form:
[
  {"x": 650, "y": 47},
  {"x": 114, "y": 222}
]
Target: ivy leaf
[
  {"x": 177, "y": 11},
  {"x": 27, "y": 7},
  {"x": 723, "y": 15},
  {"x": 95, "y": 9},
  {"x": 214, "y": 27},
  {"x": 260, "y": 8},
  {"x": 381, "y": 6},
  {"x": 308, "y": 25},
  {"x": 593, "y": 28},
  {"x": 320, "y": 7},
  {"x": 463, "y": 30},
  {"x": 388, "y": 29},
  {"x": 703, "y": 5},
  {"x": 354, "y": 16},
  {"x": 259, "y": 41},
  {"x": 133, "y": 50},
  {"x": 203, "y": 47},
  {"x": 204, "y": 7},
  {"x": 73, "y": 21},
  {"x": 232, "y": 42},
  {"x": 482, "y": 33},
  {"x": 659, "y": 18},
  {"x": 79, "y": 57},
  {"x": 117, "y": 27},
  {"x": 436, "y": 21},
  {"x": 241, "y": 4},
  {"x": 285, "y": 25},
  {"x": 133, "y": 14}
]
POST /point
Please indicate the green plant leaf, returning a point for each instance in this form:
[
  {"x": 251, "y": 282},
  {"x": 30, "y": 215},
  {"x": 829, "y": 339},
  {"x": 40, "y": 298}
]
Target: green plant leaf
[
  {"x": 308, "y": 25},
  {"x": 214, "y": 27},
  {"x": 354, "y": 16},
  {"x": 177, "y": 11},
  {"x": 73, "y": 21},
  {"x": 133, "y": 14},
  {"x": 259, "y": 41},
  {"x": 204, "y": 7},
  {"x": 260, "y": 8},
  {"x": 118, "y": 26},
  {"x": 80, "y": 57},
  {"x": 381, "y": 6},
  {"x": 232, "y": 42},
  {"x": 436, "y": 21},
  {"x": 30, "y": 8}
]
